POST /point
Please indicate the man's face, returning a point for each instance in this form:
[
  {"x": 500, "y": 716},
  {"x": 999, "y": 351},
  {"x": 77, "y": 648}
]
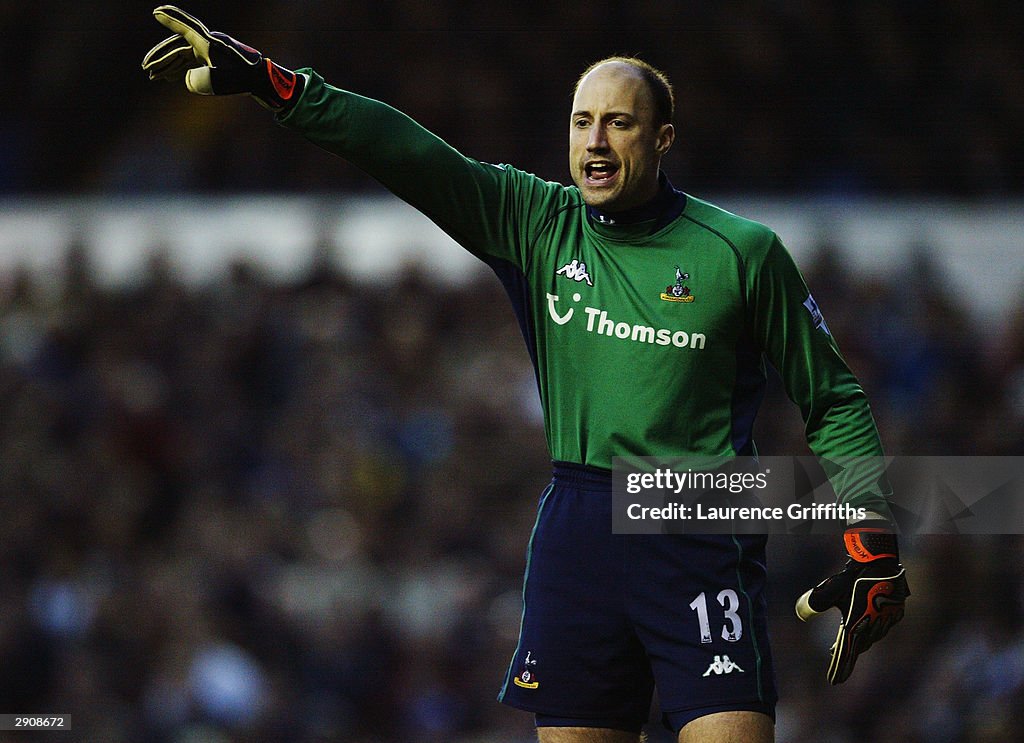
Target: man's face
[{"x": 614, "y": 145}]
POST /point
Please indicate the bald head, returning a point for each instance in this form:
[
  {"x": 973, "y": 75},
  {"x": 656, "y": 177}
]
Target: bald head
[{"x": 661, "y": 97}]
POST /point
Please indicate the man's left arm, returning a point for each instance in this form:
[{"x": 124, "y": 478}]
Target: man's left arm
[
  {"x": 871, "y": 589},
  {"x": 839, "y": 427}
]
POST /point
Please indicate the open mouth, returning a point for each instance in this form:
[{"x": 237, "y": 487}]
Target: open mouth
[{"x": 600, "y": 173}]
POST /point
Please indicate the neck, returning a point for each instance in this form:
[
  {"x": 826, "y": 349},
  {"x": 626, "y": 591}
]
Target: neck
[{"x": 665, "y": 205}]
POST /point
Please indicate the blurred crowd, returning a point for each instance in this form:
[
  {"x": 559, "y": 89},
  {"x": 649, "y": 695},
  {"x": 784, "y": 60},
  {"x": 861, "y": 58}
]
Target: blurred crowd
[
  {"x": 843, "y": 96},
  {"x": 298, "y": 512}
]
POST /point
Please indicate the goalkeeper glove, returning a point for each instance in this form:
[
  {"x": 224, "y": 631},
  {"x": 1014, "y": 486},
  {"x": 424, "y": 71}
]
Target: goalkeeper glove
[
  {"x": 870, "y": 591},
  {"x": 215, "y": 64}
]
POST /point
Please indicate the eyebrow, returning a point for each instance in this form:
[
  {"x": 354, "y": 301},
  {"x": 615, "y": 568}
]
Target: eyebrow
[{"x": 609, "y": 115}]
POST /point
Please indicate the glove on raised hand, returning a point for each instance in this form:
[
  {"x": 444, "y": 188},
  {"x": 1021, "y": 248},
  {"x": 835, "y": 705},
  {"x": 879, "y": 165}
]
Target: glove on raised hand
[
  {"x": 213, "y": 63},
  {"x": 870, "y": 592}
]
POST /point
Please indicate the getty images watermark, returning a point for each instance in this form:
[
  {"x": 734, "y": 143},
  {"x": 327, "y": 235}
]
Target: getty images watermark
[
  {"x": 667, "y": 481},
  {"x": 797, "y": 495}
]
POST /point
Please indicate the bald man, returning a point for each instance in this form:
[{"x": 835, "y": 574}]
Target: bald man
[{"x": 649, "y": 315}]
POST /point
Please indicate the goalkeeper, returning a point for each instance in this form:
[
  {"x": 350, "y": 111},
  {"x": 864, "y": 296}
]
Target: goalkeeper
[{"x": 649, "y": 315}]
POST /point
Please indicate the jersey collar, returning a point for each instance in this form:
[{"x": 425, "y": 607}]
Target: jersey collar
[{"x": 667, "y": 204}]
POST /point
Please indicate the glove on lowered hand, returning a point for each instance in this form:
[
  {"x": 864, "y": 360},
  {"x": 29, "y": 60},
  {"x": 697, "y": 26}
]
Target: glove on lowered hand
[{"x": 870, "y": 592}]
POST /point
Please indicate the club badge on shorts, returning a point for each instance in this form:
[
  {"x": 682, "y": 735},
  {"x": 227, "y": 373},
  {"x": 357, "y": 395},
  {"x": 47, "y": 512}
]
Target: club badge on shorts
[{"x": 527, "y": 678}]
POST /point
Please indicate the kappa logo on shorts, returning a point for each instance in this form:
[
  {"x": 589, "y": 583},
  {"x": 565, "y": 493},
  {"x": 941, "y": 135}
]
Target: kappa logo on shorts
[
  {"x": 722, "y": 664},
  {"x": 527, "y": 678}
]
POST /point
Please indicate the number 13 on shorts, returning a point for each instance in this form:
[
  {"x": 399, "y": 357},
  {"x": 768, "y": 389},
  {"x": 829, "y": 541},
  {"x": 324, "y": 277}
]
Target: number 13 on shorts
[{"x": 732, "y": 625}]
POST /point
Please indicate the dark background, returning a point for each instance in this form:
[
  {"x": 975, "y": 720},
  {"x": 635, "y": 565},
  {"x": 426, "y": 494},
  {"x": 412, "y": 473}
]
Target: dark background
[{"x": 795, "y": 96}]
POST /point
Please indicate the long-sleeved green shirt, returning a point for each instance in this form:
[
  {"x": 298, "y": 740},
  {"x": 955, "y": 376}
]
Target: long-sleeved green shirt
[{"x": 648, "y": 339}]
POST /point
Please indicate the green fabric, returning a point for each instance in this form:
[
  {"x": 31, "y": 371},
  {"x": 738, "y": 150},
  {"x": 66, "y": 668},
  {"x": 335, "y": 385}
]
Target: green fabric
[{"x": 623, "y": 369}]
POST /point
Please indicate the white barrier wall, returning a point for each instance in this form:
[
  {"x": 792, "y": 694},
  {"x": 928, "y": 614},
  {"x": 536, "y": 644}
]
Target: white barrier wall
[{"x": 979, "y": 247}]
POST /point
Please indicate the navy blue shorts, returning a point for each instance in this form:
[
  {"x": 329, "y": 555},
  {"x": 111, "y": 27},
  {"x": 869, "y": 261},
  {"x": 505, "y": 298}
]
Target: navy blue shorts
[{"x": 607, "y": 617}]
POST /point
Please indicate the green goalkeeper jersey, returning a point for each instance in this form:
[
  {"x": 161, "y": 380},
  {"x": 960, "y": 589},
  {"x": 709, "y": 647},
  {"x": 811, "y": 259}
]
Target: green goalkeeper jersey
[{"x": 648, "y": 339}]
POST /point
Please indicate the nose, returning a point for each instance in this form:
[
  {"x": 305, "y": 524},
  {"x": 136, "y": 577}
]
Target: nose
[{"x": 597, "y": 141}]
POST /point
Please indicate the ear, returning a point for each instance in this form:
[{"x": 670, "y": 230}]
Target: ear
[{"x": 666, "y": 136}]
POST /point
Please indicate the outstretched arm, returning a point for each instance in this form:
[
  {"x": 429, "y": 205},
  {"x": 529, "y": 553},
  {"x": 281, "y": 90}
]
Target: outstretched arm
[
  {"x": 488, "y": 209},
  {"x": 476, "y": 203}
]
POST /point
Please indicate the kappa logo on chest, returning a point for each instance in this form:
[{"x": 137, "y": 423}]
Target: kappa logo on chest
[{"x": 575, "y": 270}]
